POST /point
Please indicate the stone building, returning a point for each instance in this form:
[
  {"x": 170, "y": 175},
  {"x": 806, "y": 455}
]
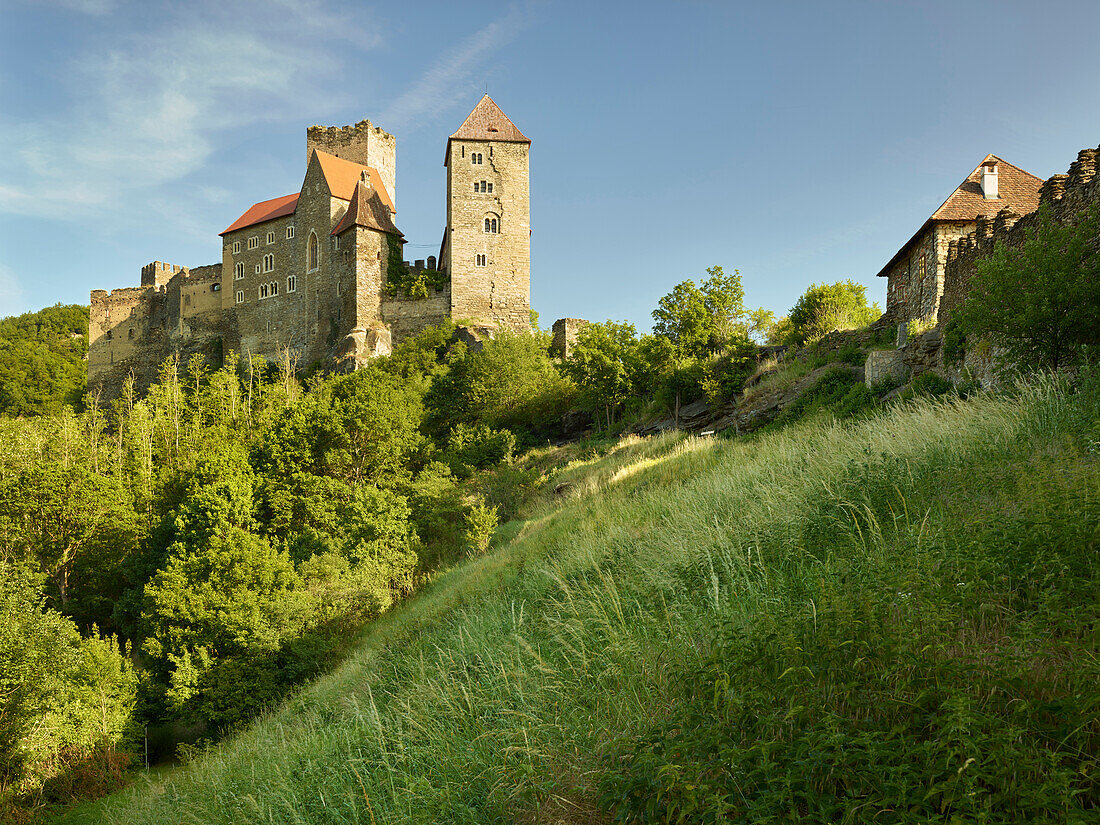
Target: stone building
[
  {"x": 915, "y": 275},
  {"x": 320, "y": 274}
]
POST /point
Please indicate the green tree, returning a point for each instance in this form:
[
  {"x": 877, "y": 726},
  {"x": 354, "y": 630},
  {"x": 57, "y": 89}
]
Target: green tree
[
  {"x": 827, "y": 307},
  {"x": 702, "y": 320},
  {"x": 509, "y": 382},
  {"x": 1041, "y": 300},
  {"x": 42, "y": 368},
  {"x": 55, "y": 514},
  {"x": 604, "y": 363}
]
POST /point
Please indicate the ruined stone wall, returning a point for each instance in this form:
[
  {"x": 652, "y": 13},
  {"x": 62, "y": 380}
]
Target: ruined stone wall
[
  {"x": 500, "y": 290},
  {"x": 408, "y": 316},
  {"x": 1064, "y": 195},
  {"x": 565, "y": 331},
  {"x": 362, "y": 143}
]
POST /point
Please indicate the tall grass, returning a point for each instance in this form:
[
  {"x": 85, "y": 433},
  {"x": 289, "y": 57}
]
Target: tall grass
[{"x": 889, "y": 621}]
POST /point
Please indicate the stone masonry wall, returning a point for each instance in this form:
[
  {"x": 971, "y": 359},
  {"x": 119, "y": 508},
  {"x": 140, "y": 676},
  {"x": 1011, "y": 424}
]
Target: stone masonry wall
[
  {"x": 499, "y": 291},
  {"x": 407, "y": 316},
  {"x": 1064, "y": 195},
  {"x": 565, "y": 332}
]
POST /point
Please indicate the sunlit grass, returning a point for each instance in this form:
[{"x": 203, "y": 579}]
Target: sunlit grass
[{"x": 505, "y": 686}]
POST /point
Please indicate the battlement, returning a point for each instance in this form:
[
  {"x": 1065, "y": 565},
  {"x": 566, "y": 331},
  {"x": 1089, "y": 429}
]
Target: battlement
[
  {"x": 157, "y": 274},
  {"x": 1063, "y": 195}
]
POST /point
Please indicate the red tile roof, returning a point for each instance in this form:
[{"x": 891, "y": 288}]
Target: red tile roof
[
  {"x": 343, "y": 175},
  {"x": 264, "y": 211},
  {"x": 366, "y": 209},
  {"x": 1018, "y": 190}
]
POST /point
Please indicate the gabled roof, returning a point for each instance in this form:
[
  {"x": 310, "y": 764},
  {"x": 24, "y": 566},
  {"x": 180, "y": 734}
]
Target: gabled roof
[
  {"x": 264, "y": 211},
  {"x": 488, "y": 122},
  {"x": 366, "y": 209},
  {"x": 343, "y": 175},
  {"x": 1017, "y": 190}
]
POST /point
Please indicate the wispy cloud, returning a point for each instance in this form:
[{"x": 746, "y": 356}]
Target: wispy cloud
[
  {"x": 448, "y": 81},
  {"x": 149, "y": 107}
]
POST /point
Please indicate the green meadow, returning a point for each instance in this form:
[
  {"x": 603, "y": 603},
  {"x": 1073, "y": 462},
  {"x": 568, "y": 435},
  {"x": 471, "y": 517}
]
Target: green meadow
[{"x": 895, "y": 619}]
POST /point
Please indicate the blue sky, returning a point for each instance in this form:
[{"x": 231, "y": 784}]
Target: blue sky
[{"x": 797, "y": 142}]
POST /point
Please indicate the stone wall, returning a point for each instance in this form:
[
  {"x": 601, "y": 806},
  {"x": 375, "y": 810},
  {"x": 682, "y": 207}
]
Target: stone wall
[
  {"x": 565, "y": 332},
  {"x": 500, "y": 290},
  {"x": 1064, "y": 195},
  {"x": 407, "y": 316}
]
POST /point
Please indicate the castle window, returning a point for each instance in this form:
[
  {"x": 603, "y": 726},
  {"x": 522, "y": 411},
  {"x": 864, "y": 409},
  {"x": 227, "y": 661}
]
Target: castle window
[
  {"x": 491, "y": 226},
  {"x": 240, "y": 296},
  {"x": 215, "y": 287},
  {"x": 254, "y": 241},
  {"x": 263, "y": 290},
  {"x": 257, "y": 269},
  {"x": 269, "y": 262},
  {"x": 490, "y": 187},
  {"x": 921, "y": 268},
  {"x": 289, "y": 232},
  {"x": 271, "y": 237},
  {"x": 131, "y": 335},
  {"x": 314, "y": 253},
  {"x": 479, "y": 260},
  {"x": 335, "y": 241},
  {"x": 475, "y": 158},
  {"x": 337, "y": 289},
  {"x": 236, "y": 247},
  {"x": 292, "y": 283},
  {"x": 238, "y": 271},
  {"x": 274, "y": 287}
]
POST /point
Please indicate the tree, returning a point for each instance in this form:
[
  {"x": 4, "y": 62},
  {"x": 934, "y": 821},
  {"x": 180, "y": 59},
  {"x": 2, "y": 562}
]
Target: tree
[
  {"x": 827, "y": 307},
  {"x": 55, "y": 514},
  {"x": 1041, "y": 300},
  {"x": 604, "y": 363}
]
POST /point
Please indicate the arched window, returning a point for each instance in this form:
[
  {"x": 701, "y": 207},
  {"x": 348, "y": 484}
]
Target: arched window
[
  {"x": 238, "y": 271},
  {"x": 314, "y": 253},
  {"x": 486, "y": 224},
  {"x": 492, "y": 226}
]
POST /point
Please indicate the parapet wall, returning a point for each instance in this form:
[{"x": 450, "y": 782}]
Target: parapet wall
[{"x": 1065, "y": 196}]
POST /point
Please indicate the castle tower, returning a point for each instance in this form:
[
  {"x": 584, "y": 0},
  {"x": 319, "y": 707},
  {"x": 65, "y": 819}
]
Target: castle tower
[
  {"x": 363, "y": 143},
  {"x": 487, "y": 245}
]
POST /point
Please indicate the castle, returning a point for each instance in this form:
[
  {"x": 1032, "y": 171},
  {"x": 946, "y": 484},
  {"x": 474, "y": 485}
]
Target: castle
[{"x": 319, "y": 276}]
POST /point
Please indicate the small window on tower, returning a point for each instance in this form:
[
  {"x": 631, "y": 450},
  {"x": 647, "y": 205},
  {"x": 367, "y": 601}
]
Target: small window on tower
[
  {"x": 490, "y": 188},
  {"x": 240, "y": 297},
  {"x": 238, "y": 271}
]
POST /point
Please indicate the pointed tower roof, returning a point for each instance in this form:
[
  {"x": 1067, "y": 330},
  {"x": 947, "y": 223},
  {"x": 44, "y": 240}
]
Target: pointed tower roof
[
  {"x": 488, "y": 122},
  {"x": 366, "y": 208}
]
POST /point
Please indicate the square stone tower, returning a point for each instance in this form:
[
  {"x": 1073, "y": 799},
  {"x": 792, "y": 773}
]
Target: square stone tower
[
  {"x": 364, "y": 143},
  {"x": 487, "y": 245}
]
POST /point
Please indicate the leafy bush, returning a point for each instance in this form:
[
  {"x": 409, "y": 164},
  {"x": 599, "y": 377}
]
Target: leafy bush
[
  {"x": 1040, "y": 301},
  {"x": 824, "y": 308},
  {"x": 481, "y": 523},
  {"x": 476, "y": 447}
]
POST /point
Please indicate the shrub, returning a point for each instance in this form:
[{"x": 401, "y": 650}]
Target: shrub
[
  {"x": 481, "y": 523},
  {"x": 827, "y": 307}
]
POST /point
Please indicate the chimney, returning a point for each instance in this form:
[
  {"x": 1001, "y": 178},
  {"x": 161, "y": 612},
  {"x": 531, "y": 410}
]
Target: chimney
[{"x": 989, "y": 180}]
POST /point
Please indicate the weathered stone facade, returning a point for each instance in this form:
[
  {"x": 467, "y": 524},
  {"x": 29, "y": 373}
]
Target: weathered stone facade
[
  {"x": 308, "y": 275},
  {"x": 915, "y": 275},
  {"x": 1066, "y": 196},
  {"x": 487, "y": 244},
  {"x": 565, "y": 331}
]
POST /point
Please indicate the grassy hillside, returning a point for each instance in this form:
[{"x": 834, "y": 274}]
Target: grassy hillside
[{"x": 893, "y": 621}]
